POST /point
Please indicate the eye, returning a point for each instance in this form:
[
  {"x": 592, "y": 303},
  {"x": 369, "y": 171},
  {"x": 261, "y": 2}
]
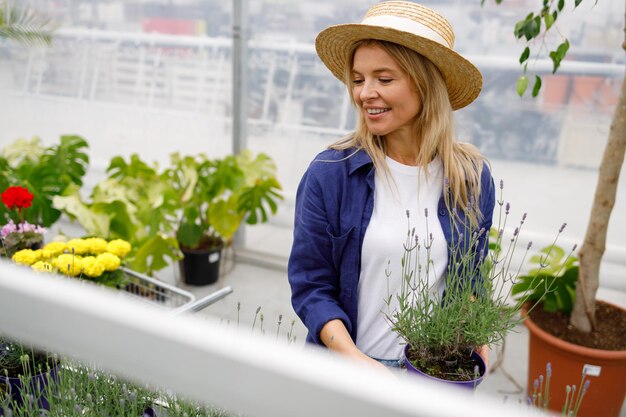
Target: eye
[
  {"x": 357, "y": 82},
  {"x": 385, "y": 80}
]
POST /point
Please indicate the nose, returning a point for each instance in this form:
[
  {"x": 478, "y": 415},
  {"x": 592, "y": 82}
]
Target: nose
[{"x": 368, "y": 91}]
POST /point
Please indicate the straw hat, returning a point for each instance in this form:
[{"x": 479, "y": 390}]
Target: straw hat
[{"x": 413, "y": 26}]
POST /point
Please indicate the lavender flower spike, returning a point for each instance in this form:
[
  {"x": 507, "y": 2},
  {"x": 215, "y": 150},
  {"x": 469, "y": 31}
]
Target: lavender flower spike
[
  {"x": 507, "y": 208},
  {"x": 549, "y": 369},
  {"x": 426, "y": 212},
  {"x": 528, "y": 248},
  {"x": 586, "y": 386},
  {"x": 562, "y": 227},
  {"x": 501, "y": 184}
]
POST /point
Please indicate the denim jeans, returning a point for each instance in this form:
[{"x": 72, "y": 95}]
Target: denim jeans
[{"x": 391, "y": 363}]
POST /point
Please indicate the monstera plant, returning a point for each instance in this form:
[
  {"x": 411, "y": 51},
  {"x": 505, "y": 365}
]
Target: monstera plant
[
  {"x": 45, "y": 171},
  {"x": 214, "y": 197}
]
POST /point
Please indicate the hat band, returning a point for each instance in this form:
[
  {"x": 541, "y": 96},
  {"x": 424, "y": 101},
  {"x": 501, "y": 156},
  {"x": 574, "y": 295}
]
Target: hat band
[{"x": 406, "y": 25}]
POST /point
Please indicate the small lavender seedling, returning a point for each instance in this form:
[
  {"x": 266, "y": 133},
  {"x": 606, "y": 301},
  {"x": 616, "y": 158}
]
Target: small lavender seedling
[
  {"x": 258, "y": 309},
  {"x": 280, "y": 320},
  {"x": 261, "y": 321},
  {"x": 546, "y": 396},
  {"x": 290, "y": 337},
  {"x": 566, "y": 405},
  {"x": 576, "y": 402}
]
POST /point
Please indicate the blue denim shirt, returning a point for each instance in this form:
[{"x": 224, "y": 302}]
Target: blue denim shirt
[{"x": 334, "y": 204}]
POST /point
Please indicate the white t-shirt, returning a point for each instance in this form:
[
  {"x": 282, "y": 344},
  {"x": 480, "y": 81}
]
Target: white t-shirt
[{"x": 407, "y": 188}]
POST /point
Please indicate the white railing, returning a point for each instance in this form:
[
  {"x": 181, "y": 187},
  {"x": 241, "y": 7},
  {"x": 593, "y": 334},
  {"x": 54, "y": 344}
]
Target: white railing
[
  {"x": 193, "y": 73},
  {"x": 212, "y": 363}
]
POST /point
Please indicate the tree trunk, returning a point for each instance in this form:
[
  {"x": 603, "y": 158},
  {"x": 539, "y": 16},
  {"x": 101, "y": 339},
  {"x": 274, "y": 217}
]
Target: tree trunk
[{"x": 590, "y": 255}]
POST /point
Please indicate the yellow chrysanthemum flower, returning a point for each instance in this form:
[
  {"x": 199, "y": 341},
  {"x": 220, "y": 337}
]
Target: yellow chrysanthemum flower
[
  {"x": 42, "y": 266},
  {"x": 77, "y": 246},
  {"x": 69, "y": 264},
  {"x": 119, "y": 247},
  {"x": 26, "y": 257},
  {"x": 96, "y": 245},
  {"x": 109, "y": 261},
  {"x": 53, "y": 249},
  {"x": 91, "y": 267}
]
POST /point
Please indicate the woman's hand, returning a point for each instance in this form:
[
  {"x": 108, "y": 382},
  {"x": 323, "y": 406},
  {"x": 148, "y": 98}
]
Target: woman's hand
[
  {"x": 337, "y": 339},
  {"x": 483, "y": 351}
]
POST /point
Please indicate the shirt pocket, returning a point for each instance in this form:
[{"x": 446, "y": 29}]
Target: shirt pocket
[{"x": 338, "y": 244}]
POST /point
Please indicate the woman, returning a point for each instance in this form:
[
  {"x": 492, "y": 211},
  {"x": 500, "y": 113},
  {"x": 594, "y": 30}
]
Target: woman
[{"x": 405, "y": 80}]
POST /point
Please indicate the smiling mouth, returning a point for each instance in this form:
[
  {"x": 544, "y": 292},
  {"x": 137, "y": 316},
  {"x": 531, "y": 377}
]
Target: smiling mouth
[{"x": 377, "y": 111}]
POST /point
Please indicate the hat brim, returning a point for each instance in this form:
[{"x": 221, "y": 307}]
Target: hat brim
[{"x": 463, "y": 80}]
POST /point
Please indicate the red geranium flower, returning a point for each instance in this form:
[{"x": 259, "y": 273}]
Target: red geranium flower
[{"x": 17, "y": 197}]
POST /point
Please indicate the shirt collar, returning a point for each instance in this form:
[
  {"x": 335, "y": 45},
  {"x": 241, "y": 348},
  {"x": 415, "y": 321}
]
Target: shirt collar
[{"x": 359, "y": 159}]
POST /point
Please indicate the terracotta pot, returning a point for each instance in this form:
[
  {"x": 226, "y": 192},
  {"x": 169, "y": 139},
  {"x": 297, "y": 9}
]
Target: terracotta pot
[
  {"x": 556, "y": 90},
  {"x": 586, "y": 88},
  {"x": 462, "y": 384},
  {"x": 606, "y": 371}
]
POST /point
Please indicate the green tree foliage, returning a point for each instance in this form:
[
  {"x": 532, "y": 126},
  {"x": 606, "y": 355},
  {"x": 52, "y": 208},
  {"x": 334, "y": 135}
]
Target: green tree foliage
[
  {"x": 533, "y": 29},
  {"x": 24, "y": 25}
]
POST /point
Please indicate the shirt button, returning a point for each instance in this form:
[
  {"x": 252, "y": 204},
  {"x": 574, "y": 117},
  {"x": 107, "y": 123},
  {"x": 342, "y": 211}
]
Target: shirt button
[{"x": 442, "y": 212}]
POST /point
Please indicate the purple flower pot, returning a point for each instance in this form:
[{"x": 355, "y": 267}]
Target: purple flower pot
[
  {"x": 38, "y": 387},
  {"x": 472, "y": 384},
  {"x": 149, "y": 412}
]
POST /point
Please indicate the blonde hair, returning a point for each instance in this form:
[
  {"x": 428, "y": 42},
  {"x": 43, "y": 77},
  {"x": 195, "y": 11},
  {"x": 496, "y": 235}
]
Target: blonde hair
[{"x": 433, "y": 128}]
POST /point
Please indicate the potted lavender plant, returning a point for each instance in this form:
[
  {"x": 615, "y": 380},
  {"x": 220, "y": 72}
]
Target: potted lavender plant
[
  {"x": 78, "y": 390},
  {"x": 443, "y": 330},
  {"x": 25, "y": 372}
]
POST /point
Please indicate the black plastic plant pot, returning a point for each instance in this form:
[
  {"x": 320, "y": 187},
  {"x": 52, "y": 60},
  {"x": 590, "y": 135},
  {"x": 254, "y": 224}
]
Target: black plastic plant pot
[{"x": 200, "y": 267}]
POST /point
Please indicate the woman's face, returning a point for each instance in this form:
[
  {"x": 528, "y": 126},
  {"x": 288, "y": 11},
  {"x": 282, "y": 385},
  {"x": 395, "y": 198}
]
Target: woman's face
[{"x": 383, "y": 92}]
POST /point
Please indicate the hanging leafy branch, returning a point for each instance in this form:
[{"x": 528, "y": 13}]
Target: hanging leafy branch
[
  {"x": 534, "y": 27},
  {"x": 592, "y": 250},
  {"x": 24, "y": 25}
]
